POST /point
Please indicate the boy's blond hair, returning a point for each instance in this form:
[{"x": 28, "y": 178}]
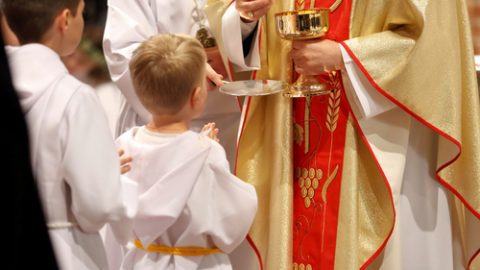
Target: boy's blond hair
[{"x": 165, "y": 69}]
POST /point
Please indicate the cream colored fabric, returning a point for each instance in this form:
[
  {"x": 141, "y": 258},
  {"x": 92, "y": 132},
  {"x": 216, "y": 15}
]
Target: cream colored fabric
[
  {"x": 423, "y": 60},
  {"x": 418, "y": 54}
]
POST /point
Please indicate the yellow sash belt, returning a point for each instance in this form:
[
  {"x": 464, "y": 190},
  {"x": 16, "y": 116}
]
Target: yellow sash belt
[{"x": 182, "y": 251}]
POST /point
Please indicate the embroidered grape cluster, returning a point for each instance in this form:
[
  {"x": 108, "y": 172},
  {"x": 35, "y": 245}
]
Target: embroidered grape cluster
[
  {"x": 309, "y": 181},
  {"x": 302, "y": 266}
]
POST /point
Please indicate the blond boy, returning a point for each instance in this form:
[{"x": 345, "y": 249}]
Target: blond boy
[
  {"x": 192, "y": 210},
  {"x": 73, "y": 156}
]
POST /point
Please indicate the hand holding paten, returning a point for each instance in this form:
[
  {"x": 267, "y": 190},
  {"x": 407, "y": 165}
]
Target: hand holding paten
[
  {"x": 315, "y": 56},
  {"x": 214, "y": 79},
  {"x": 252, "y": 10}
]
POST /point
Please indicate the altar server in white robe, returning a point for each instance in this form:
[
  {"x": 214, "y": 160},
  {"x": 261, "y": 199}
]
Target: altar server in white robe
[
  {"x": 75, "y": 163},
  {"x": 131, "y": 22},
  {"x": 192, "y": 210}
]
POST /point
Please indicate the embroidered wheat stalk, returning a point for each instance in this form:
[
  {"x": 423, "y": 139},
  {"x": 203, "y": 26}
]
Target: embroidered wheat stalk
[
  {"x": 330, "y": 179},
  {"x": 333, "y": 108},
  {"x": 333, "y": 113}
]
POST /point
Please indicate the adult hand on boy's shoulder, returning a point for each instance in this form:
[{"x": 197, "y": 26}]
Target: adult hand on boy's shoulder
[
  {"x": 211, "y": 131},
  {"x": 125, "y": 161}
]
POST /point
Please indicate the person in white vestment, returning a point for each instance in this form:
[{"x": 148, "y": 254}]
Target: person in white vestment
[
  {"x": 192, "y": 211},
  {"x": 76, "y": 166},
  {"x": 131, "y": 22}
]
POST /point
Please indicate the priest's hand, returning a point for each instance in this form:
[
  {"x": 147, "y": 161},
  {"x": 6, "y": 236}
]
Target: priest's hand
[
  {"x": 312, "y": 57},
  {"x": 252, "y": 10},
  {"x": 125, "y": 161},
  {"x": 214, "y": 79},
  {"x": 211, "y": 131}
]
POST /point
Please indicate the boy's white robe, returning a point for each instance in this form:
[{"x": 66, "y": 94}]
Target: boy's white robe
[
  {"x": 74, "y": 158},
  {"x": 188, "y": 198}
]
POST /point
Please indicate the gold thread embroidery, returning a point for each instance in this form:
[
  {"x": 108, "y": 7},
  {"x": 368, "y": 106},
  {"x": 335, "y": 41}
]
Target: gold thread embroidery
[
  {"x": 309, "y": 182},
  {"x": 333, "y": 109},
  {"x": 327, "y": 184},
  {"x": 302, "y": 266},
  {"x": 333, "y": 115},
  {"x": 306, "y": 124}
]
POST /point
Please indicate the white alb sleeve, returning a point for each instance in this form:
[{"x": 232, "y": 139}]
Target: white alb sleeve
[
  {"x": 370, "y": 102},
  {"x": 232, "y": 30},
  {"x": 128, "y": 24},
  {"x": 91, "y": 166}
]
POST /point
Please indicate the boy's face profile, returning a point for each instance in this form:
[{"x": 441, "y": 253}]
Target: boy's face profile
[{"x": 74, "y": 32}]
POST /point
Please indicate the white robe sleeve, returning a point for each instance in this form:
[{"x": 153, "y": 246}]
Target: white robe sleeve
[
  {"x": 234, "y": 205},
  {"x": 368, "y": 100},
  {"x": 128, "y": 24},
  {"x": 235, "y": 30},
  {"x": 91, "y": 166}
]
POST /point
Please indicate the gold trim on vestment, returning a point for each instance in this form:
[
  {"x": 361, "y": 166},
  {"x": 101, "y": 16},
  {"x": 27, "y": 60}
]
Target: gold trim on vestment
[{"x": 419, "y": 54}]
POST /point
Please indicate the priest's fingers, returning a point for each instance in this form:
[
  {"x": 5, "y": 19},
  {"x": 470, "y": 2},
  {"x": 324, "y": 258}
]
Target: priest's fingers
[
  {"x": 303, "y": 63},
  {"x": 250, "y": 5},
  {"x": 313, "y": 69},
  {"x": 214, "y": 79},
  {"x": 254, "y": 9},
  {"x": 316, "y": 56},
  {"x": 253, "y": 15},
  {"x": 259, "y": 13},
  {"x": 301, "y": 70}
]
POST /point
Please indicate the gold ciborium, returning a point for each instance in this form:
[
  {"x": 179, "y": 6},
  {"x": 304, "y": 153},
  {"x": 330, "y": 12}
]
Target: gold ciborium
[{"x": 301, "y": 25}]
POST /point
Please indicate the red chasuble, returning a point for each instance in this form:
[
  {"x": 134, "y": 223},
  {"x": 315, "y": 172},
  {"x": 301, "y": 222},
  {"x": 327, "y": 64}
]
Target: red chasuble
[{"x": 319, "y": 142}]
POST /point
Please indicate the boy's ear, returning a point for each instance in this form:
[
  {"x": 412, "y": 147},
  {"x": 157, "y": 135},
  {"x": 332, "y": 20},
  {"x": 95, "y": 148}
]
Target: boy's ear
[
  {"x": 196, "y": 96},
  {"x": 62, "y": 20}
]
